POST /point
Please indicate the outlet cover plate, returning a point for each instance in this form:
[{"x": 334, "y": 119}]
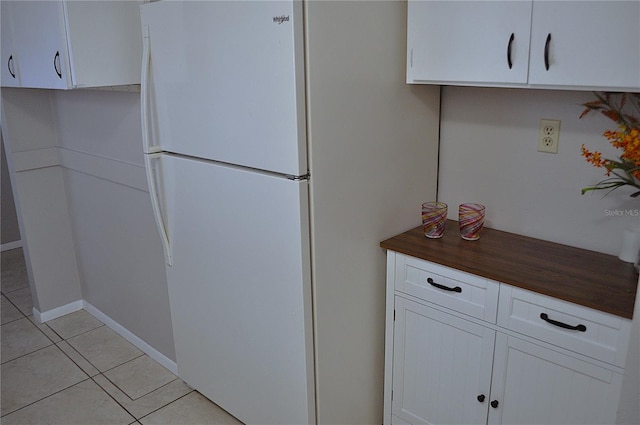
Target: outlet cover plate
[{"x": 548, "y": 136}]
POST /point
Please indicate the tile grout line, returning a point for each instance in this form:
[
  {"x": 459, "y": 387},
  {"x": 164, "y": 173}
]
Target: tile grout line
[
  {"x": 134, "y": 400},
  {"x": 112, "y": 397},
  {"x": 117, "y": 366},
  {"x": 103, "y": 374},
  {"x": 72, "y": 336},
  {"x": 30, "y": 352},
  {"x": 15, "y": 306},
  {"x": 100, "y": 372},
  {"x": 95, "y": 374},
  {"x": 52, "y": 330},
  {"x": 88, "y": 377},
  {"x": 165, "y": 405},
  {"x": 21, "y": 315},
  {"x": 13, "y": 290},
  {"x": 46, "y": 397}
]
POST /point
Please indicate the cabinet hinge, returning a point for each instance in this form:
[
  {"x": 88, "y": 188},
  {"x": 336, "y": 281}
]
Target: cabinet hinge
[
  {"x": 394, "y": 315},
  {"x": 411, "y": 58},
  {"x": 391, "y": 395}
]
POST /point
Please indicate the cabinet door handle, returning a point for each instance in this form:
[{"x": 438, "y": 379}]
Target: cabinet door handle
[
  {"x": 445, "y": 288},
  {"x": 509, "y": 62},
  {"x": 546, "y": 51},
  {"x": 10, "y": 66},
  {"x": 494, "y": 404},
  {"x": 56, "y": 64},
  {"x": 481, "y": 398},
  {"x": 580, "y": 328}
]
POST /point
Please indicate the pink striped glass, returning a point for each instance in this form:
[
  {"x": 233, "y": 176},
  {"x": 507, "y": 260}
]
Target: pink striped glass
[
  {"x": 471, "y": 220},
  {"x": 434, "y": 219}
]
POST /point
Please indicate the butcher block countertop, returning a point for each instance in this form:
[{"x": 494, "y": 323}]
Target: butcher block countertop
[{"x": 588, "y": 278}]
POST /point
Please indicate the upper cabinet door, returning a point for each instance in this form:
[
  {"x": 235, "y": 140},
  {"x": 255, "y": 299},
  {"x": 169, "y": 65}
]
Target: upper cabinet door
[
  {"x": 59, "y": 44},
  {"x": 104, "y": 41},
  {"x": 468, "y": 42},
  {"x": 39, "y": 42},
  {"x": 9, "y": 61},
  {"x": 586, "y": 43}
]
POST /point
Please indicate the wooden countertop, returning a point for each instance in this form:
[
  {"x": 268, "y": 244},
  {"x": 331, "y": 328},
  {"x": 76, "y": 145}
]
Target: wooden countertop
[{"x": 588, "y": 278}]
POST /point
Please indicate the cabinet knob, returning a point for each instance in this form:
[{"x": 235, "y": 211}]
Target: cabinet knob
[
  {"x": 481, "y": 398},
  {"x": 494, "y": 404}
]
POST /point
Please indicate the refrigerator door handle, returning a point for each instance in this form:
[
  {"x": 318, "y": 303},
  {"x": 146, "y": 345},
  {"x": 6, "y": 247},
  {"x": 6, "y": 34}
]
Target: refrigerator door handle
[
  {"x": 155, "y": 205},
  {"x": 144, "y": 94},
  {"x": 151, "y": 152}
]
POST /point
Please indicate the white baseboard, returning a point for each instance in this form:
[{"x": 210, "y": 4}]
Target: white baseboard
[
  {"x": 115, "y": 326},
  {"x": 54, "y": 313},
  {"x": 129, "y": 336},
  {"x": 10, "y": 245}
]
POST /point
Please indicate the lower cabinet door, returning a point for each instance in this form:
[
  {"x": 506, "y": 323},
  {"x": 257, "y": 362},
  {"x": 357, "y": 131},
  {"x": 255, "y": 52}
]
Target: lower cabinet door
[
  {"x": 535, "y": 385},
  {"x": 442, "y": 367}
]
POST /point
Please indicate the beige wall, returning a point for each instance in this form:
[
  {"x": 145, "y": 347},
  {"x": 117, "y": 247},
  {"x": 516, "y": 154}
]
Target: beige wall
[
  {"x": 10, "y": 231},
  {"x": 30, "y": 139},
  {"x": 118, "y": 249},
  {"x": 373, "y": 143},
  {"x": 489, "y": 155},
  {"x": 82, "y": 186}
]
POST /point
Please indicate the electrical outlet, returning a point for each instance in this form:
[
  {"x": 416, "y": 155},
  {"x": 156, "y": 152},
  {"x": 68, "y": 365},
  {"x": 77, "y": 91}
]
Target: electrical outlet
[{"x": 548, "y": 136}]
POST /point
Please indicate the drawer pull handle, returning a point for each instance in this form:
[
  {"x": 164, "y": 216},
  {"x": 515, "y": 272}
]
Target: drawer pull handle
[
  {"x": 445, "y": 288},
  {"x": 495, "y": 404},
  {"x": 580, "y": 328},
  {"x": 481, "y": 398}
]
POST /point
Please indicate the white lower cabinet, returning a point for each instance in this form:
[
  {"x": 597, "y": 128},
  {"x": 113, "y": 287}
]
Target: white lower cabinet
[
  {"x": 449, "y": 367},
  {"x": 536, "y": 385},
  {"x": 441, "y": 368}
]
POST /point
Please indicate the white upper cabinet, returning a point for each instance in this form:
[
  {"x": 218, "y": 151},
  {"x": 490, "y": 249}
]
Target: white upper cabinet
[
  {"x": 10, "y": 74},
  {"x": 574, "y": 44},
  {"x": 468, "y": 42},
  {"x": 38, "y": 42},
  {"x": 70, "y": 44},
  {"x": 590, "y": 44}
]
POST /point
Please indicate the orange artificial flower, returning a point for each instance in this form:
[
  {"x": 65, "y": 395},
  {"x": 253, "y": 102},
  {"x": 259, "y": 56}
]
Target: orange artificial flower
[{"x": 626, "y": 169}]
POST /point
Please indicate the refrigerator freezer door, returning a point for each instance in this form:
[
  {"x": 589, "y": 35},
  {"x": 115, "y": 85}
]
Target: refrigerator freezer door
[
  {"x": 227, "y": 80},
  {"x": 239, "y": 288}
]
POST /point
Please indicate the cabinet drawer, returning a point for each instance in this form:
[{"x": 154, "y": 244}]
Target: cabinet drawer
[
  {"x": 450, "y": 288},
  {"x": 580, "y": 329}
]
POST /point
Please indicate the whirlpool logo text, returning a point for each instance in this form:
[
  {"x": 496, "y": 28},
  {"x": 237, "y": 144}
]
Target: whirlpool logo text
[{"x": 281, "y": 19}]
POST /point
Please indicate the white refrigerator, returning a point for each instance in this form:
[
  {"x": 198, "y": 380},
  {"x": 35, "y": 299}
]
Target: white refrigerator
[{"x": 227, "y": 129}]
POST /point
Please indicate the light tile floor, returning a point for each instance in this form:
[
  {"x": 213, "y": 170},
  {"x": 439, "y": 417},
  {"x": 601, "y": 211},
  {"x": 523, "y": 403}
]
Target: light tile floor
[{"x": 75, "y": 370}]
